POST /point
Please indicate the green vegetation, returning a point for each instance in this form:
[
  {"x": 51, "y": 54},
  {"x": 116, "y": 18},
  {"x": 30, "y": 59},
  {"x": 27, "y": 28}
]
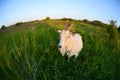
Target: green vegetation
[{"x": 32, "y": 54}]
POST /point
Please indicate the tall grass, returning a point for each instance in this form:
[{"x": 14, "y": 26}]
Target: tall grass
[{"x": 33, "y": 55}]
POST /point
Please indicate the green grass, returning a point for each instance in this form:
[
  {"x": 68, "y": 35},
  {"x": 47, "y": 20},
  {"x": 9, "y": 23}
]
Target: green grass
[{"x": 27, "y": 54}]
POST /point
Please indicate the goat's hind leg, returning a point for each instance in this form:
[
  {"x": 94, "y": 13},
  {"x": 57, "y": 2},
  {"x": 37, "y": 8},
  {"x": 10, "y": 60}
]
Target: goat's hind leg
[
  {"x": 76, "y": 55},
  {"x": 68, "y": 59}
]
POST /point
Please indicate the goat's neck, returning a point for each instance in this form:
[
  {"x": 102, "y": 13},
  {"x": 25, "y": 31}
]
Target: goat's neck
[{"x": 69, "y": 45}]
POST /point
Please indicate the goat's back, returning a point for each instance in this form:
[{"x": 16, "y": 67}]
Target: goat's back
[{"x": 78, "y": 42}]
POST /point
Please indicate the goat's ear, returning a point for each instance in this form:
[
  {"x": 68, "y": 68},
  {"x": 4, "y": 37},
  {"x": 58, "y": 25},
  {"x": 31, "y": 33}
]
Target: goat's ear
[
  {"x": 73, "y": 32},
  {"x": 59, "y": 31}
]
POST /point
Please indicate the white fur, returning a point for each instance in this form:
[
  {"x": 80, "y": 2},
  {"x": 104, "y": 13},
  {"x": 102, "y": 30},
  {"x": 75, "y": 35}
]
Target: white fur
[{"x": 70, "y": 44}]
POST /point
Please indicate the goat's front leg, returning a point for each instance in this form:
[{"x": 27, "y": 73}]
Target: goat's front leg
[{"x": 68, "y": 54}]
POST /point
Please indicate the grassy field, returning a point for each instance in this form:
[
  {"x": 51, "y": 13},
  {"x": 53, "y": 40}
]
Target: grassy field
[{"x": 28, "y": 51}]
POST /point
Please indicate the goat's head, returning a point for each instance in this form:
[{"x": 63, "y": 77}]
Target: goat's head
[{"x": 65, "y": 37}]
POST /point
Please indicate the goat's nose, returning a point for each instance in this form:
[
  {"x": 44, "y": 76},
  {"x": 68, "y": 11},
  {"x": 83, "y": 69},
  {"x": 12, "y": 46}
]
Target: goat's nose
[{"x": 59, "y": 46}]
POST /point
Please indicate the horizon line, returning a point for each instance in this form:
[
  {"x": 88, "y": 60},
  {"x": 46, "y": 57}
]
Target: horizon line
[{"x": 24, "y": 21}]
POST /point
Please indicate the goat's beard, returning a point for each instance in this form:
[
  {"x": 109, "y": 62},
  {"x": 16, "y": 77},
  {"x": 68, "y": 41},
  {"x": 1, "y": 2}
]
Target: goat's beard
[{"x": 62, "y": 51}]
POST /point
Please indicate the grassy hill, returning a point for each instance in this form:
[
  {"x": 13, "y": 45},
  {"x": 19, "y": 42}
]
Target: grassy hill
[{"x": 28, "y": 51}]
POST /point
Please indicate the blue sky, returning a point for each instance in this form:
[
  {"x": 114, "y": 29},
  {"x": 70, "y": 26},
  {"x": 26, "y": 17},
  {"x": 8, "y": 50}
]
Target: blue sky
[{"x": 13, "y": 11}]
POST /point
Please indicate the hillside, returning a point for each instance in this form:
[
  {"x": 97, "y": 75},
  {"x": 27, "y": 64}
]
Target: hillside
[{"x": 28, "y": 51}]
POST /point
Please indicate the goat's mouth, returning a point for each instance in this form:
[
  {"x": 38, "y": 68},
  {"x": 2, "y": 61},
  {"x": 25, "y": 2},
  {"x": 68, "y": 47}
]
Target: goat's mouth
[{"x": 60, "y": 49}]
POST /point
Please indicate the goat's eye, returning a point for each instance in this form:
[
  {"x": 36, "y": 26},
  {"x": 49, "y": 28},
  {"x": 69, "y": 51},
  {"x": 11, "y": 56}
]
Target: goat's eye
[{"x": 68, "y": 36}]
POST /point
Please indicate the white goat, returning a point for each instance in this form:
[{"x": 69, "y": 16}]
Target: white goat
[{"x": 70, "y": 43}]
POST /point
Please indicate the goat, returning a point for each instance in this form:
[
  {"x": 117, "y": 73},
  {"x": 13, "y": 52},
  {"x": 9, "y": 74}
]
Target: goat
[{"x": 70, "y": 43}]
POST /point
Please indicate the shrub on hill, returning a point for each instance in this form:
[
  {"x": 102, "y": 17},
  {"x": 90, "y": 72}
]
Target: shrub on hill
[
  {"x": 86, "y": 21},
  {"x": 112, "y": 30},
  {"x": 119, "y": 29},
  {"x": 19, "y": 23},
  {"x": 97, "y": 23},
  {"x": 3, "y": 27},
  {"x": 47, "y": 18},
  {"x": 67, "y": 19}
]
